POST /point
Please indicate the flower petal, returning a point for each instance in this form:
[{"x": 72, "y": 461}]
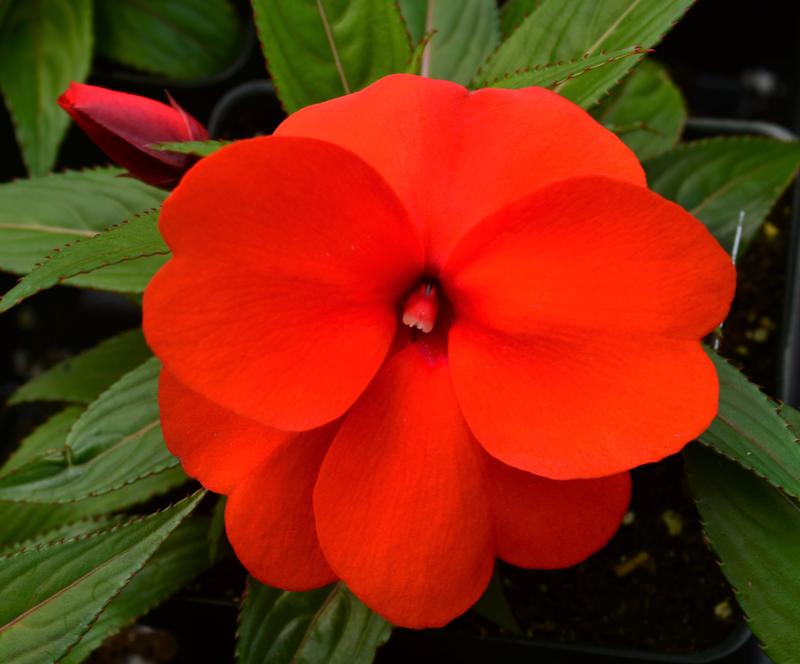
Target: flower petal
[
  {"x": 290, "y": 255},
  {"x": 584, "y": 303},
  {"x": 549, "y": 524},
  {"x": 401, "y": 509},
  {"x": 456, "y": 156},
  {"x": 269, "y": 516},
  {"x": 592, "y": 254},
  {"x": 215, "y": 445},
  {"x": 581, "y": 405}
]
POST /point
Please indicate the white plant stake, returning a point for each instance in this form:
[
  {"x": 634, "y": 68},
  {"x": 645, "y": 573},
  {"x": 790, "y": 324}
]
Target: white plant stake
[{"x": 737, "y": 240}]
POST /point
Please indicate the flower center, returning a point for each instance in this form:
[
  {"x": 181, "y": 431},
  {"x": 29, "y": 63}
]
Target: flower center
[{"x": 422, "y": 307}]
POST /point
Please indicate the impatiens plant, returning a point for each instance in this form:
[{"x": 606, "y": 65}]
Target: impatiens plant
[{"x": 430, "y": 322}]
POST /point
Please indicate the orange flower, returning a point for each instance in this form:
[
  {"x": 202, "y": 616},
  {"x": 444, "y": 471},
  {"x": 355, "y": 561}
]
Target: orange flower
[{"x": 422, "y": 327}]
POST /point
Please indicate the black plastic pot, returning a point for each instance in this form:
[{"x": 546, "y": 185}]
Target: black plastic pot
[
  {"x": 458, "y": 648},
  {"x": 249, "y": 109}
]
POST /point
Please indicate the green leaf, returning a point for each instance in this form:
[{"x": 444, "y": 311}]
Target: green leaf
[
  {"x": 216, "y": 530},
  {"x": 551, "y": 76},
  {"x": 48, "y": 437},
  {"x": 82, "y": 378},
  {"x": 178, "y": 561},
  {"x": 320, "y": 49},
  {"x": 513, "y": 14},
  {"x": 54, "y": 594},
  {"x": 117, "y": 441},
  {"x": 791, "y": 416},
  {"x": 750, "y": 430},
  {"x": 415, "y": 64},
  {"x": 43, "y": 47},
  {"x": 415, "y": 13},
  {"x": 129, "y": 276},
  {"x": 647, "y": 111},
  {"x": 493, "y": 605},
  {"x": 130, "y": 243},
  {"x": 325, "y": 626},
  {"x": 181, "y": 40},
  {"x": 62, "y": 532},
  {"x": 718, "y": 179},
  {"x": 199, "y": 148},
  {"x": 20, "y": 521},
  {"x": 465, "y": 33},
  {"x": 559, "y": 31},
  {"x": 39, "y": 214},
  {"x": 754, "y": 529}
]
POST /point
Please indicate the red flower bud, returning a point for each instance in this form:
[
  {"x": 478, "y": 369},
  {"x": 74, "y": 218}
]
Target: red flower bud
[{"x": 125, "y": 125}]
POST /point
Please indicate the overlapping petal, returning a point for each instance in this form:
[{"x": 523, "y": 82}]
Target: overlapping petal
[
  {"x": 215, "y": 445},
  {"x": 549, "y": 524},
  {"x": 578, "y": 314},
  {"x": 279, "y": 302},
  {"x": 269, "y": 516},
  {"x": 400, "y": 503},
  {"x": 269, "y": 475},
  {"x": 456, "y": 156},
  {"x": 581, "y": 405}
]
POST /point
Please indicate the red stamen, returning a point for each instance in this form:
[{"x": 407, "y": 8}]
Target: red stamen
[{"x": 421, "y": 308}]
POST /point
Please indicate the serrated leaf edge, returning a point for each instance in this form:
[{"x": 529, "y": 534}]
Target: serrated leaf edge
[
  {"x": 60, "y": 279},
  {"x": 709, "y": 541},
  {"x": 102, "y": 531},
  {"x": 123, "y": 625},
  {"x": 479, "y": 73},
  {"x": 199, "y": 494},
  {"x": 776, "y": 406},
  {"x": 173, "y": 463},
  {"x": 634, "y": 50}
]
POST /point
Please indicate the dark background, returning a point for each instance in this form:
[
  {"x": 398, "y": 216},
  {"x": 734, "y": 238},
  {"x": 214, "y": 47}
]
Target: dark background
[{"x": 738, "y": 59}]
